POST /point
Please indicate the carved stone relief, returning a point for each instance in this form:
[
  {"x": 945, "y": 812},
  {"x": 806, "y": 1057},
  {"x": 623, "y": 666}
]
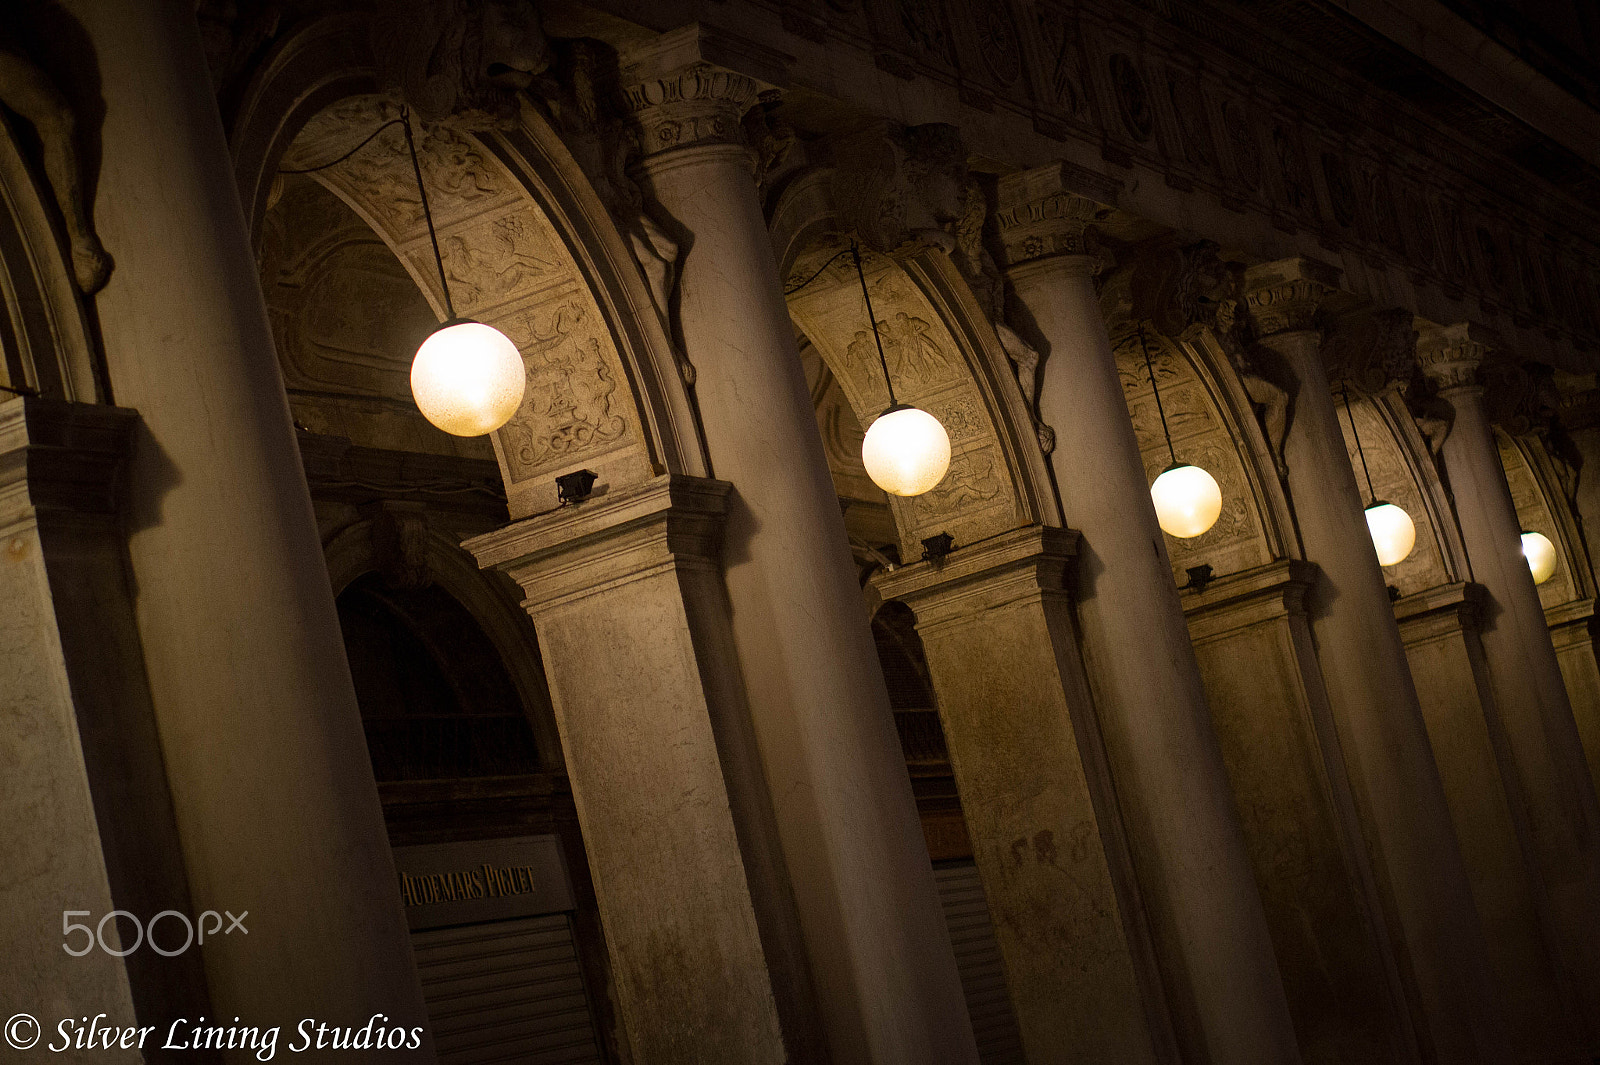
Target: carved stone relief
[
  {"x": 507, "y": 267},
  {"x": 1533, "y": 513},
  {"x": 1200, "y": 436},
  {"x": 1394, "y": 481},
  {"x": 1133, "y": 99},
  {"x": 976, "y": 498}
]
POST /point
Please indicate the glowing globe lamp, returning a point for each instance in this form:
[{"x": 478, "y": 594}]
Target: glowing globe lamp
[
  {"x": 1394, "y": 534},
  {"x": 468, "y": 378},
  {"x": 1541, "y": 556},
  {"x": 1187, "y": 501},
  {"x": 906, "y": 451}
]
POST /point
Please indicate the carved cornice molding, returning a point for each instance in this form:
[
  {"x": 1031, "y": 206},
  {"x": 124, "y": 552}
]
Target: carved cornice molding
[
  {"x": 1039, "y": 214},
  {"x": 693, "y": 85},
  {"x": 1451, "y": 356},
  {"x": 1286, "y": 296}
]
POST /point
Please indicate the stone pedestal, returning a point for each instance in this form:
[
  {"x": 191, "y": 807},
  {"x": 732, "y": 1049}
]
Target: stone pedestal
[
  {"x": 879, "y": 954},
  {"x": 1440, "y": 630},
  {"x": 626, "y": 593},
  {"x": 996, "y": 621},
  {"x": 58, "y": 466},
  {"x": 1404, "y": 817},
  {"x": 272, "y": 791},
  {"x": 1211, "y": 938},
  {"x": 1542, "y": 760},
  {"x": 1572, "y": 634},
  {"x": 1253, "y": 642}
]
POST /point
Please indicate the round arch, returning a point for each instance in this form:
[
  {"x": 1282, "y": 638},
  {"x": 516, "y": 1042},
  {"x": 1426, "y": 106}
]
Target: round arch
[
  {"x": 945, "y": 357},
  {"x": 528, "y": 244},
  {"x": 350, "y": 554},
  {"x": 43, "y": 333}
]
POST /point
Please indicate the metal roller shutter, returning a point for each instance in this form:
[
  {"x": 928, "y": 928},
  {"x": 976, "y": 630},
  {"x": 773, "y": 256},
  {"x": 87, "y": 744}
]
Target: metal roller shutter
[
  {"x": 506, "y": 991},
  {"x": 966, "y": 914}
]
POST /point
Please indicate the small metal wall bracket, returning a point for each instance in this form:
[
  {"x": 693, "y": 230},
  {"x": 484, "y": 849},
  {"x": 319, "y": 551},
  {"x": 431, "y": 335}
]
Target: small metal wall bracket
[
  {"x": 1199, "y": 577},
  {"x": 935, "y": 548},
  {"x": 575, "y": 487}
]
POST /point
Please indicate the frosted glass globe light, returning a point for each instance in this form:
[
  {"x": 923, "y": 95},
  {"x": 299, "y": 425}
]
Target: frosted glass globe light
[
  {"x": 1541, "y": 556},
  {"x": 468, "y": 378},
  {"x": 1188, "y": 501},
  {"x": 1393, "y": 532},
  {"x": 906, "y": 451}
]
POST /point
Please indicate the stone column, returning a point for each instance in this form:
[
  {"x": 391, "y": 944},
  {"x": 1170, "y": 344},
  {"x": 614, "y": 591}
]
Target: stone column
[
  {"x": 1572, "y": 632},
  {"x": 1440, "y": 630},
  {"x": 996, "y": 621},
  {"x": 1374, "y": 704},
  {"x": 272, "y": 790},
  {"x": 1257, "y": 658},
  {"x": 879, "y": 953},
  {"x": 1542, "y": 756},
  {"x": 626, "y": 595},
  {"x": 58, "y": 465},
  {"x": 1210, "y": 933}
]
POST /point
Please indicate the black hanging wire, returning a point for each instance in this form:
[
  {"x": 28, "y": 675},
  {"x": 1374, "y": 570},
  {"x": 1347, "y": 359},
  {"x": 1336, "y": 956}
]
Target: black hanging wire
[
  {"x": 1372, "y": 497},
  {"x": 855, "y": 252},
  {"x": 433, "y": 238},
  {"x": 1150, "y": 369},
  {"x": 347, "y": 155},
  {"x": 792, "y": 289}
]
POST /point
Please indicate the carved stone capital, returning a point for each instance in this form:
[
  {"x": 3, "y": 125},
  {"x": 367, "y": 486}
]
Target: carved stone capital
[
  {"x": 693, "y": 85},
  {"x": 1040, "y": 214},
  {"x": 1285, "y": 296},
  {"x": 1452, "y": 355}
]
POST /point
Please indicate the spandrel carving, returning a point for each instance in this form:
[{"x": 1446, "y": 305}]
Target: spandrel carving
[{"x": 461, "y": 60}]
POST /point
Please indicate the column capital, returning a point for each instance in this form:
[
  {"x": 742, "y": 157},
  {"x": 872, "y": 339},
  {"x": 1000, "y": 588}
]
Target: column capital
[
  {"x": 574, "y": 551},
  {"x": 1041, "y": 215},
  {"x": 62, "y": 456},
  {"x": 1451, "y": 355},
  {"x": 1285, "y": 296},
  {"x": 1022, "y": 564},
  {"x": 692, "y": 85}
]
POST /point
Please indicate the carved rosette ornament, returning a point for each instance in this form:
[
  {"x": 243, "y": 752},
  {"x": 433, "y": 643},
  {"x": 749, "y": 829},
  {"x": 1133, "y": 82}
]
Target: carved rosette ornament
[
  {"x": 700, "y": 104},
  {"x": 1286, "y": 305},
  {"x": 692, "y": 86},
  {"x": 1039, "y": 217},
  {"x": 1452, "y": 355}
]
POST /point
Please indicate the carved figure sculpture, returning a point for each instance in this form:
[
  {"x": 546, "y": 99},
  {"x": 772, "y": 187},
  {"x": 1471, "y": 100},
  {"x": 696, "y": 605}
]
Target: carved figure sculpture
[
  {"x": 464, "y": 60},
  {"x": 28, "y": 91}
]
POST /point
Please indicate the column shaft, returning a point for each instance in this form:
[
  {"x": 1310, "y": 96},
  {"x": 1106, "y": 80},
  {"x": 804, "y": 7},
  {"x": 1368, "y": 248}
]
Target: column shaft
[
  {"x": 1545, "y": 773},
  {"x": 1210, "y": 931},
  {"x": 626, "y": 595},
  {"x": 879, "y": 952},
  {"x": 1392, "y": 774},
  {"x": 272, "y": 790},
  {"x": 1002, "y": 646}
]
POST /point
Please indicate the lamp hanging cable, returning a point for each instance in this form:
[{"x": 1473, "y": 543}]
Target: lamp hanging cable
[
  {"x": 326, "y": 166},
  {"x": 855, "y": 251},
  {"x": 468, "y": 378},
  {"x": 1344, "y": 385},
  {"x": 1150, "y": 369},
  {"x": 427, "y": 214}
]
